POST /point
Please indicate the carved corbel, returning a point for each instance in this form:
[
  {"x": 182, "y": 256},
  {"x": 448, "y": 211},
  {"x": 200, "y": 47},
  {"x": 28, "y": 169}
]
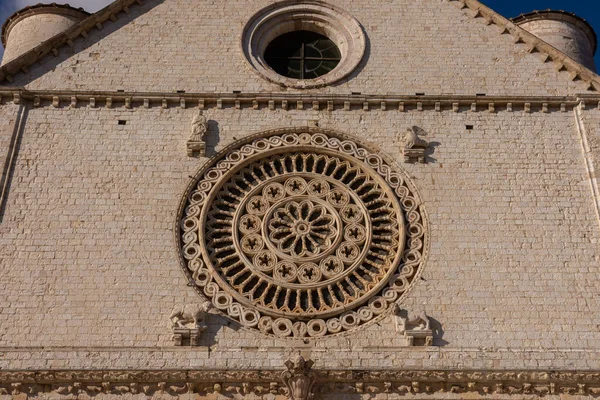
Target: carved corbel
[
  {"x": 187, "y": 323},
  {"x": 196, "y": 145},
  {"x": 299, "y": 379},
  {"x": 415, "y": 327},
  {"x": 413, "y": 147}
]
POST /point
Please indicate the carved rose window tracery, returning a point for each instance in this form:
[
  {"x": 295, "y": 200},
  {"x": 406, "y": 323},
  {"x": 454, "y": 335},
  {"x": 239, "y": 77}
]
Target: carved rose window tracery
[{"x": 301, "y": 234}]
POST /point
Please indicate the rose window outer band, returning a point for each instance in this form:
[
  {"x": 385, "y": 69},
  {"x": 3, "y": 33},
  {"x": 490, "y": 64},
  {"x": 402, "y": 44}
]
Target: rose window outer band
[{"x": 301, "y": 233}]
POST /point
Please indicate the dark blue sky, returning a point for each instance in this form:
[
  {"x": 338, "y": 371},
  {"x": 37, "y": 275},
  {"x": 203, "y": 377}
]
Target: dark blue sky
[{"x": 587, "y": 9}]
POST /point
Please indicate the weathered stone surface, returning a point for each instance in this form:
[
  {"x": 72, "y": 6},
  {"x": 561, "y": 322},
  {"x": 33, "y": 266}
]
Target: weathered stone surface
[
  {"x": 89, "y": 251},
  {"x": 428, "y": 46}
]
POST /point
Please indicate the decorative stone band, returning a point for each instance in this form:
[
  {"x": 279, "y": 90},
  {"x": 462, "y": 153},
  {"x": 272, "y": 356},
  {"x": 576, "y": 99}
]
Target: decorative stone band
[
  {"x": 174, "y": 383},
  {"x": 289, "y": 101}
]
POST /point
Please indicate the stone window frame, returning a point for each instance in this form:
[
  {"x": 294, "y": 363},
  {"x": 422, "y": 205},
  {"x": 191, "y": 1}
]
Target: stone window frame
[{"x": 315, "y": 16}]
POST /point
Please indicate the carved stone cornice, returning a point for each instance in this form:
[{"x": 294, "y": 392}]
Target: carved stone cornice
[
  {"x": 295, "y": 101},
  {"x": 261, "y": 382}
]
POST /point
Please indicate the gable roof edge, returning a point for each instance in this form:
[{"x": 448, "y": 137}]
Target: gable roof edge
[
  {"x": 31, "y": 57},
  {"x": 51, "y": 46},
  {"x": 563, "y": 61}
]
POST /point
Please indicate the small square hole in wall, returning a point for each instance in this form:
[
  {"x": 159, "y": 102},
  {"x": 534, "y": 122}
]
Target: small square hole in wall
[
  {"x": 469, "y": 127},
  {"x": 181, "y": 91},
  {"x": 122, "y": 122},
  {"x": 120, "y": 90},
  {"x": 420, "y": 94}
]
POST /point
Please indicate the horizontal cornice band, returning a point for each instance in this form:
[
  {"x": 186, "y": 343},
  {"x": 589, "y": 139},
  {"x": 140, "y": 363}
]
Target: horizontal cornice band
[{"x": 294, "y": 101}]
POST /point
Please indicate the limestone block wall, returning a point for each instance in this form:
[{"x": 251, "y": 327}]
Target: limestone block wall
[
  {"x": 430, "y": 46},
  {"x": 91, "y": 272}
]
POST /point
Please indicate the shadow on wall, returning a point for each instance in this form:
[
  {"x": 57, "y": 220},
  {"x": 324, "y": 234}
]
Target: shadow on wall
[
  {"x": 109, "y": 27},
  {"x": 361, "y": 66},
  {"x": 213, "y": 137},
  {"x": 421, "y": 133},
  {"x": 438, "y": 333},
  {"x": 216, "y": 323}
]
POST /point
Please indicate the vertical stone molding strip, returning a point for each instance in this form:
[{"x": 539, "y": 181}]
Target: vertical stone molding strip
[
  {"x": 13, "y": 149},
  {"x": 589, "y": 161}
]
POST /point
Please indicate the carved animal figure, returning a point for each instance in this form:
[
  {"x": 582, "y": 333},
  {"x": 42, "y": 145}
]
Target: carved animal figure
[
  {"x": 412, "y": 140},
  {"x": 184, "y": 315},
  {"x": 415, "y": 321},
  {"x": 419, "y": 321}
]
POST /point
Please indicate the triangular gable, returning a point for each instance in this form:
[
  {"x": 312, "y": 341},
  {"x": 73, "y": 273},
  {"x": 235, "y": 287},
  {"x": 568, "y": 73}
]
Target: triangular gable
[
  {"x": 473, "y": 8},
  {"x": 66, "y": 38}
]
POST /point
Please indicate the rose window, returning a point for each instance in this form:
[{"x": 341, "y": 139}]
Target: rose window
[{"x": 301, "y": 234}]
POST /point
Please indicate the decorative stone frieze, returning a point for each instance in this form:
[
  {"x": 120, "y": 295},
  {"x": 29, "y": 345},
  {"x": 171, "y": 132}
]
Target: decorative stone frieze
[
  {"x": 302, "y": 233},
  {"x": 452, "y": 384}
]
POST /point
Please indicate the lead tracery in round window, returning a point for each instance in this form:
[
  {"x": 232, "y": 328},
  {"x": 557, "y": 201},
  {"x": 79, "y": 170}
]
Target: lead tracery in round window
[
  {"x": 301, "y": 234},
  {"x": 302, "y": 55}
]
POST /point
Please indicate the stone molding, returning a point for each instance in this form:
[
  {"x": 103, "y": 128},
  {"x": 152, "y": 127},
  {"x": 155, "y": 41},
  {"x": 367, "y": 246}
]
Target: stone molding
[
  {"x": 297, "y": 101},
  {"x": 590, "y": 166},
  {"x": 261, "y": 382},
  {"x": 476, "y": 10}
]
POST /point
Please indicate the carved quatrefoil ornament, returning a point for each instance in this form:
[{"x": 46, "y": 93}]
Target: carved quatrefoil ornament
[{"x": 301, "y": 232}]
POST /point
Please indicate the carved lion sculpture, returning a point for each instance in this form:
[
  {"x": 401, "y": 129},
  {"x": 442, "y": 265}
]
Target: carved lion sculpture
[
  {"x": 185, "y": 315},
  {"x": 419, "y": 320},
  {"x": 412, "y": 139},
  {"x": 415, "y": 321}
]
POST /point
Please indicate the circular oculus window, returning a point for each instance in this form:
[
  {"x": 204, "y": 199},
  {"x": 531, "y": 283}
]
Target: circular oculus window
[{"x": 303, "y": 46}]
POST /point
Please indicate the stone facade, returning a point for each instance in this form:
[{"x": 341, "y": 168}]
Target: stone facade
[{"x": 94, "y": 145}]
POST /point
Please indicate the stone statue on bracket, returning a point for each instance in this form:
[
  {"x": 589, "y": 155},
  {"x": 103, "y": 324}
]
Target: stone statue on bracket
[
  {"x": 413, "y": 326},
  {"x": 414, "y": 147},
  {"x": 299, "y": 379},
  {"x": 196, "y": 145},
  {"x": 187, "y": 323}
]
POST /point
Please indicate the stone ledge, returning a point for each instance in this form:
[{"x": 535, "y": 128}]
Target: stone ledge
[{"x": 297, "y": 101}]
